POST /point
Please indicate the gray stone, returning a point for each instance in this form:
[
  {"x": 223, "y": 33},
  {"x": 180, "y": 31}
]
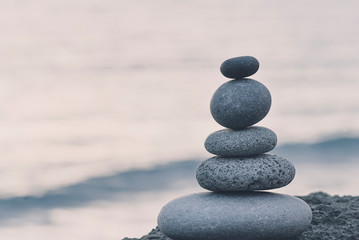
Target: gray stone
[
  {"x": 239, "y": 67},
  {"x": 241, "y": 143},
  {"x": 234, "y": 216},
  {"x": 245, "y": 174},
  {"x": 238, "y": 104}
]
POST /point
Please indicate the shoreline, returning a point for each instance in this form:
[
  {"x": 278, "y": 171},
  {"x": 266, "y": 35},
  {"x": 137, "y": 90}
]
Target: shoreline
[{"x": 334, "y": 217}]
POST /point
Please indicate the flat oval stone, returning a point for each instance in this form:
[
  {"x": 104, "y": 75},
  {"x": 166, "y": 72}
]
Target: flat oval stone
[
  {"x": 241, "y": 143},
  {"x": 238, "y": 104},
  {"x": 239, "y": 67},
  {"x": 234, "y": 216},
  {"x": 245, "y": 174}
]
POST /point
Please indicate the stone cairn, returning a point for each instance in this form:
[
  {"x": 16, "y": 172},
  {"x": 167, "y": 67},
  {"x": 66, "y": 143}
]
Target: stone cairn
[{"x": 236, "y": 208}]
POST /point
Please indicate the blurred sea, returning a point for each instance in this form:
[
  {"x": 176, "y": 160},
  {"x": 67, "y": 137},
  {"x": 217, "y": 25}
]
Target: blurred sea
[{"x": 104, "y": 105}]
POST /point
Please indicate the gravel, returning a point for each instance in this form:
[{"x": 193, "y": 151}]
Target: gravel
[{"x": 334, "y": 218}]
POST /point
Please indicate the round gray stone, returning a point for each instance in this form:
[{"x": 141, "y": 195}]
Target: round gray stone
[
  {"x": 233, "y": 216},
  {"x": 238, "y": 104},
  {"x": 241, "y": 143},
  {"x": 239, "y": 67},
  {"x": 245, "y": 174}
]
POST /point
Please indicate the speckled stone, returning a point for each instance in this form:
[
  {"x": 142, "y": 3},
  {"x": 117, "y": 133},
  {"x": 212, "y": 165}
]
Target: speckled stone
[
  {"x": 234, "y": 216},
  {"x": 241, "y": 143},
  {"x": 245, "y": 174},
  {"x": 239, "y": 67},
  {"x": 238, "y": 104}
]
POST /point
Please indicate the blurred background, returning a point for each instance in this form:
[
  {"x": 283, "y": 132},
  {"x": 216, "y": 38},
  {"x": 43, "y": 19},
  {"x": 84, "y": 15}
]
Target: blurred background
[{"x": 104, "y": 105}]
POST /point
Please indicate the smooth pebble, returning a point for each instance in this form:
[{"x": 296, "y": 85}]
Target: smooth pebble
[
  {"x": 239, "y": 67},
  {"x": 238, "y": 104},
  {"x": 241, "y": 143}
]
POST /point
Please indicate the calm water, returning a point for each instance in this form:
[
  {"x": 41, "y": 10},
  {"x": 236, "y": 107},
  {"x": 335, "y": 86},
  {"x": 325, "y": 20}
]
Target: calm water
[{"x": 93, "y": 89}]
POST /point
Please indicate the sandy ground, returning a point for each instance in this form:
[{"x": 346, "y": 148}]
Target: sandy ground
[{"x": 334, "y": 217}]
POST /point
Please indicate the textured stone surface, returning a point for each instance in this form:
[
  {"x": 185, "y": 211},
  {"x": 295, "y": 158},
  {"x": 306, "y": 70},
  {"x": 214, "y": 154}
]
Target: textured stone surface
[
  {"x": 233, "y": 216},
  {"x": 334, "y": 217},
  {"x": 238, "y": 104},
  {"x": 243, "y": 174},
  {"x": 241, "y": 143},
  {"x": 239, "y": 67}
]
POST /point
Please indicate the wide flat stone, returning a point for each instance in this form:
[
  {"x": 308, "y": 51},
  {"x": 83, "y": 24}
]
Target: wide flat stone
[
  {"x": 234, "y": 216},
  {"x": 239, "y": 67},
  {"x": 245, "y": 174},
  {"x": 241, "y": 143},
  {"x": 238, "y": 104}
]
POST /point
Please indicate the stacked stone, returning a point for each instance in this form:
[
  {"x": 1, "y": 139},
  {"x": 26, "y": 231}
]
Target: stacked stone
[{"x": 236, "y": 208}]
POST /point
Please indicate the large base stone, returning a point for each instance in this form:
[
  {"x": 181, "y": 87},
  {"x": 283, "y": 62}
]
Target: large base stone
[{"x": 234, "y": 216}]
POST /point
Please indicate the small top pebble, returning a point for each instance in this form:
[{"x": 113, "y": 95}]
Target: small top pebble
[{"x": 239, "y": 67}]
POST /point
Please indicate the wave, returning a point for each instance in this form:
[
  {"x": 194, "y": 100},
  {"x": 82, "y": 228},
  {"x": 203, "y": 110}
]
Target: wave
[
  {"x": 160, "y": 178},
  {"x": 107, "y": 188},
  {"x": 328, "y": 151}
]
